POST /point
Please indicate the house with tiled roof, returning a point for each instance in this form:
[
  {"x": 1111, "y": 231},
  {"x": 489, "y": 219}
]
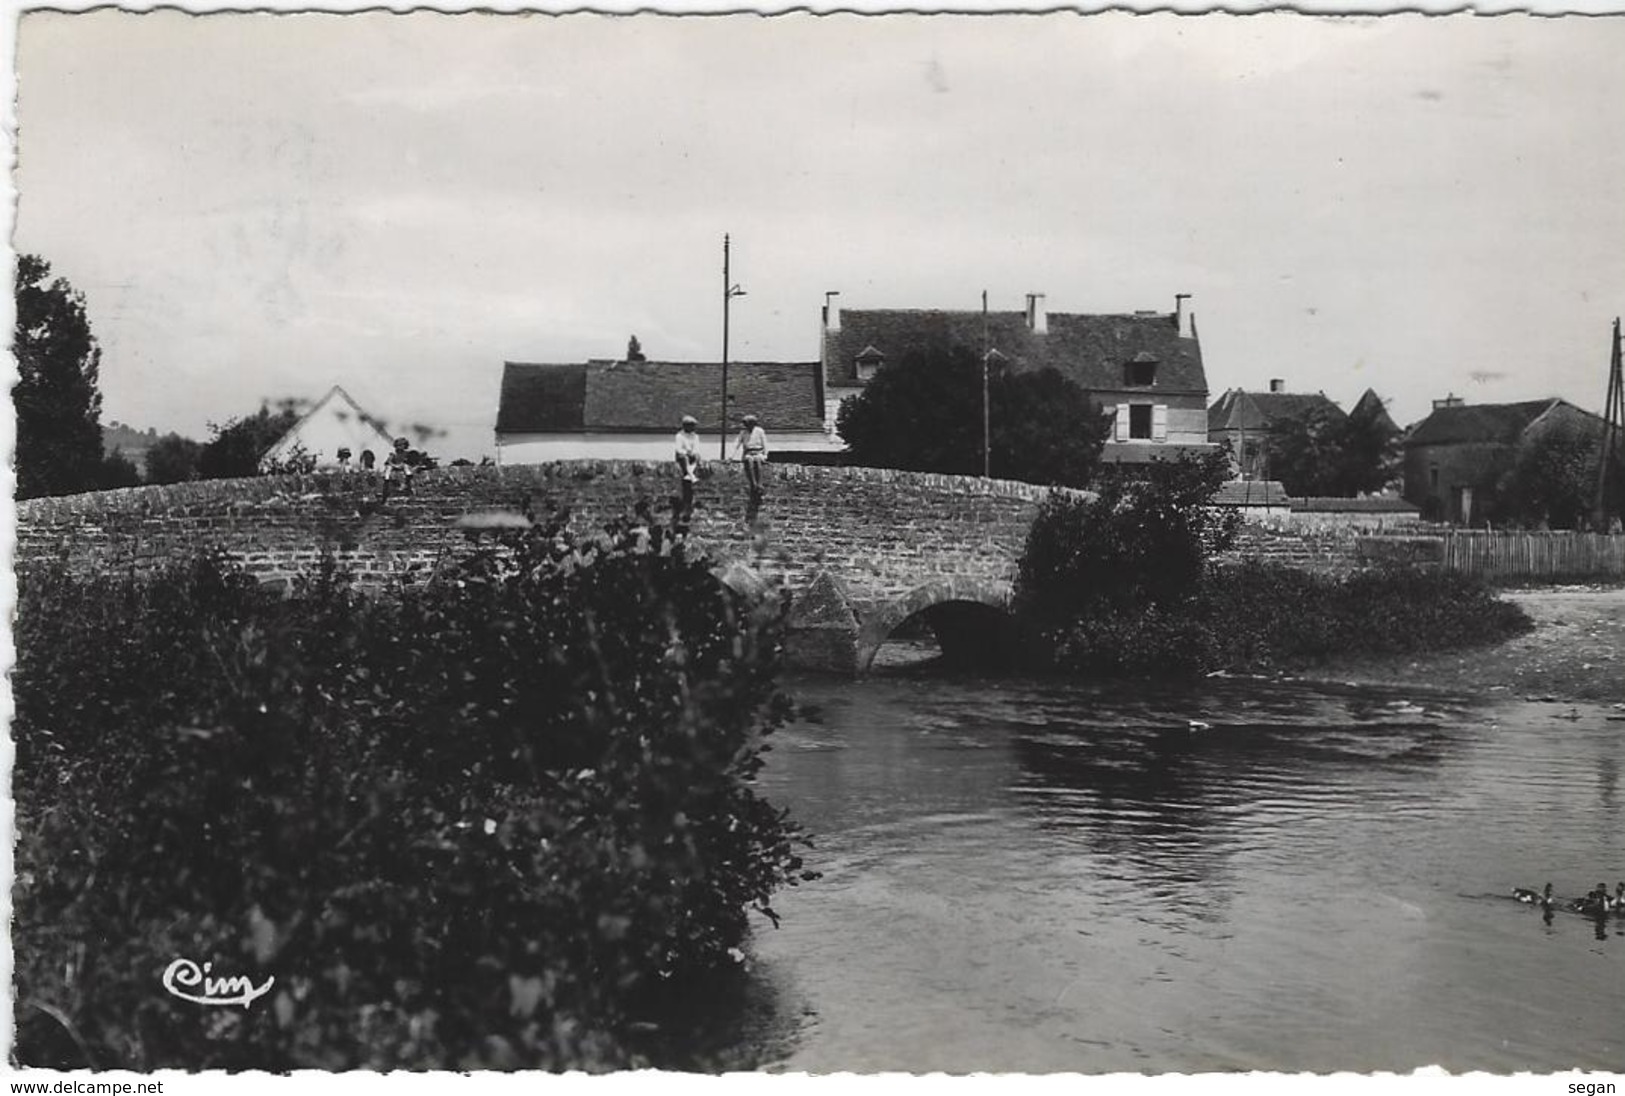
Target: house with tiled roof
[
  {"x": 1245, "y": 419},
  {"x": 334, "y": 422},
  {"x": 1144, "y": 369},
  {"x": 1455, "y": 457},
  {"x": 1370, "y": 406},
  {"x": 630, "y": 410}
]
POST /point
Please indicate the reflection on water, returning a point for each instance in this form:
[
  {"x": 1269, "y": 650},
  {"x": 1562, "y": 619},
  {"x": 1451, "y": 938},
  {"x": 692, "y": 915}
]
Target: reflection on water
[{"x": 1242, "y": 875}]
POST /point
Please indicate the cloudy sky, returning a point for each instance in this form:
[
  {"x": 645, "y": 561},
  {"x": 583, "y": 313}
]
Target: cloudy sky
[{"x": 260, "y": 206}]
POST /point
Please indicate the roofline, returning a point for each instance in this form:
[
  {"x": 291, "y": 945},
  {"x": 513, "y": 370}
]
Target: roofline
[{"x": 336, "y": 390}]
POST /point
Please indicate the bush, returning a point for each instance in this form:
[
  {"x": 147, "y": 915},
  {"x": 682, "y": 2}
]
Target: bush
[
  {"x": 1125, "y": 583},
  {"x": 1256, "y": 617},
  {"x": 475, "y": 823},
  {"x": 1138, "y": 543}
]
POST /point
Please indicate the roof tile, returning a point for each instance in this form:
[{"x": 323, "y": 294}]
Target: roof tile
[{"x": 1090, "y": 350}]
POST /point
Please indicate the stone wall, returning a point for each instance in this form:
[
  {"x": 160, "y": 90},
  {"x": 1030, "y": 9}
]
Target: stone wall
[
  {"x": 1333, "y": 547},
  {"x": 885, "y": 534}
]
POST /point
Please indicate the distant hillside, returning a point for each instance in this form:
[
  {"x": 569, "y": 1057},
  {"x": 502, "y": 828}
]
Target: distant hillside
[{"x": 133, "y": 443}]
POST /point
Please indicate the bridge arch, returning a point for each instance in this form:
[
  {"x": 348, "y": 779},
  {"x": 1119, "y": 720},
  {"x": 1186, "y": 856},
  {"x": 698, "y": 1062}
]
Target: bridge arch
[{"x": 966, "y": 608}]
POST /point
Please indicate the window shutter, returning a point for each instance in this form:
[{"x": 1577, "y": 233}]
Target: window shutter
[
  {"x": 1120, "y": 433},
  {"x": 1159, "y": 422}
]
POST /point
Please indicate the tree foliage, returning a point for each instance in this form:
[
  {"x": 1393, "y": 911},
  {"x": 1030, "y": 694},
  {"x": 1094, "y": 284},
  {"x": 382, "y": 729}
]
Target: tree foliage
[
  {"x": 924, "y": 413},
  {"x": 1323, "y": 452},
  {"x": 1552, "y": 481},
  {"x": 1137, "y": 544},
  {"x": 57, "y": 398},
  {"x": 173, "y": 459},
  {"x": 117, "y": 470},
  {"x": 237, "y": 446},
  {"x": 484, "y": 821}
]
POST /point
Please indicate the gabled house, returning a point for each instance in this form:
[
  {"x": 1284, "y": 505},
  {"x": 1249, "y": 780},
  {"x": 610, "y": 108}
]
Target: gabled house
[
  {"x": 1144, "y": 369},
  {"x": 335, "y": 422},
  {"x": 1371, "y": 407},
  {"x": 1245, "y": 419},
  {"x": 630, "y": 410},
  {"x": 1455, "y": 457}
]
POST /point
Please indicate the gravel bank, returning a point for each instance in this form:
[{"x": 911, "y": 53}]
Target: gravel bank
[{"x": 1576, "y": 653}]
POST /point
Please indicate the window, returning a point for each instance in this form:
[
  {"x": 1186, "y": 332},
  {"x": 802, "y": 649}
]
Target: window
[
  {"x": 1139, "y": 373},
  {"x": 1433, "y": 477},
  {"x": 1139, "y": 420},
  {"x": 869, "y": 361}
]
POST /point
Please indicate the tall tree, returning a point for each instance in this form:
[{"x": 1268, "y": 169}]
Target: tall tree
[
  {"x": 237, "y": 446},
  {"x": 924, "y": 413},
  {"x": 1552, "y": 481},
  {"x": 1308, "y": 452},
  {"x": 173, "y": 459},
  {"x": 117, "y": 470},
  {"x": 1373, "y": 455},
  {"x": 58, "y": 401}
]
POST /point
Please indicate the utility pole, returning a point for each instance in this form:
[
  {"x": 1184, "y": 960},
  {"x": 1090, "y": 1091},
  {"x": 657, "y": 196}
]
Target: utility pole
[
  {"x": 729, "y": 292},
  {"x": 987, "y": 446},
  {"x": 1613, "y": 416}
]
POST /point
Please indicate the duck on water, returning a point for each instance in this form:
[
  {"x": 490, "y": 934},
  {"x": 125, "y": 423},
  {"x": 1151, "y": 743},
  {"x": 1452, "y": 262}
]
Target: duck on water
[
  {"x": 1534, "y": 898},
  {"x": 1600, "y": 901}
]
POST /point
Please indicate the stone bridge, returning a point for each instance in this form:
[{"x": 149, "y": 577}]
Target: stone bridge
[{"x": 860, "y": 550}]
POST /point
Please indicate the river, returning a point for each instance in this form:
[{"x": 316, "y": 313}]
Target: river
[{"x": 1036, "y": 877}]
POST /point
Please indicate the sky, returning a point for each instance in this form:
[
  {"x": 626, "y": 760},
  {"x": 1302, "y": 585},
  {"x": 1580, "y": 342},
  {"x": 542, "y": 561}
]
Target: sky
[{"x": 260, "y": 206}]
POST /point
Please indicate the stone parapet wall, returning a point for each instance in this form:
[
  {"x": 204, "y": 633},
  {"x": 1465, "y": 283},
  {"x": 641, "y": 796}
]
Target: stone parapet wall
[
  {"x": 883, "y": 531},
  {"x": 1332, "y": 548}
]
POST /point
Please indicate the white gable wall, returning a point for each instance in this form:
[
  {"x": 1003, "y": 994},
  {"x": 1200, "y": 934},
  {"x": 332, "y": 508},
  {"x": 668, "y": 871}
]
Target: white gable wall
[{"x": 332, "y": 424}]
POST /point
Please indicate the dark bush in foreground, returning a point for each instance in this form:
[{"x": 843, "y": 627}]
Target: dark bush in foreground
[{"x": 477, "y": 823}]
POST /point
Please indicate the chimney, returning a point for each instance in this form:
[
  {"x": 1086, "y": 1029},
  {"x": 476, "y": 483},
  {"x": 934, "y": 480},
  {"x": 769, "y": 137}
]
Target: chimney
[
  {"x": 1277, "y": 384},
  {"x": 1037, "y": 316},
  {"x": 1452, "y": 400},
  {"x": 832, "y": 311},
  {"x": 1182, "y": 316}
]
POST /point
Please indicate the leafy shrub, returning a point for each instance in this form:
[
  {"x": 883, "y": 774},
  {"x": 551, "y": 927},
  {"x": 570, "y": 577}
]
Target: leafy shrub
[
  {"x": 1260, "y": 616},
  {"x": 475, "y": 823},
  {"x": 1272, "y": 615},
  {"x": 1125, "y": 583},
  {"x": 1137, "y": 543}
]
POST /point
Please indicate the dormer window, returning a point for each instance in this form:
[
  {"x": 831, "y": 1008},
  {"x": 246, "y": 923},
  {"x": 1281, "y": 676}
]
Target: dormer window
[
  {"x": 1140, "y": 371},
  {"x": 867, "y": 362}
]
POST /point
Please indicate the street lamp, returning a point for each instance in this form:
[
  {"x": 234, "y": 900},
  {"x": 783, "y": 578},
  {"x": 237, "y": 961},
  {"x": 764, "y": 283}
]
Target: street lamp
[{"x": 729, "y": 292}]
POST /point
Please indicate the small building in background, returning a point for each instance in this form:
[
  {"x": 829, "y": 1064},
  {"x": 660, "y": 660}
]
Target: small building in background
[
  {"x": 335, "y": 422},
  {"x": 1245, "y": 419},
  {"x": 1253, "y": 499},
  {"x": 1455, "y": 457},
  {"x": 631, "y": 410},
  {"x": 1144, "y": 369}
]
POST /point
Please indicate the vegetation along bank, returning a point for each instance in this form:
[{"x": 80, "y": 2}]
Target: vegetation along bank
[
  {"x": 478, "y": 823},
  {"x": 1127, "y": 583}
]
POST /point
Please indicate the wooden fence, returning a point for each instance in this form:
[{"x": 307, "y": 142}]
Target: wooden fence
[{"x": 1537, "y": 557}]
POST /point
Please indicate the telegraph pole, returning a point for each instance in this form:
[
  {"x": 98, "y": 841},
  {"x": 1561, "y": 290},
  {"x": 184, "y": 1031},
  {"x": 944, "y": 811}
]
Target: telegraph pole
[
  {"x": 987, "y": 447},
  {"x": 729, "y": 292},
  {"x": 1613, "y": 416}
]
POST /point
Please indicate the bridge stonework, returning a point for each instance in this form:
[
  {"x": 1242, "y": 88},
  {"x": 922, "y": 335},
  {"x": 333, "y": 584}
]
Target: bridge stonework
[{"x": 859, "y": 549}]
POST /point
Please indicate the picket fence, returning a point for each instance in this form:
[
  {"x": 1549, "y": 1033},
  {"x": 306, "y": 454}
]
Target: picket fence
[{"x": 1536, "y": 556}]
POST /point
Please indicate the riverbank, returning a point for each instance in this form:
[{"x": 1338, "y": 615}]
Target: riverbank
[{"x": 1575, "y": 653}]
